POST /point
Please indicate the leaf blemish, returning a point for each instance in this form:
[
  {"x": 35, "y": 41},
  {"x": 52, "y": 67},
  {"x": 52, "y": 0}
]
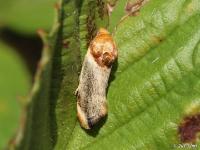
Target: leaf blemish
[
  {"x": 111, "y": 6},
  {"x": 157, "y": 39},
  {"x": 57, "y": 6},
  {"x": 65, "y": 43},
  {"x": 133, "y": 8},
  {"x": 189, "y": 129}
]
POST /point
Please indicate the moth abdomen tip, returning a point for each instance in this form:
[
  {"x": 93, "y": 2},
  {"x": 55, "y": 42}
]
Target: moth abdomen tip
[
  {"x": 94, "y": 120},
  {"x": 90, "y": 122}
]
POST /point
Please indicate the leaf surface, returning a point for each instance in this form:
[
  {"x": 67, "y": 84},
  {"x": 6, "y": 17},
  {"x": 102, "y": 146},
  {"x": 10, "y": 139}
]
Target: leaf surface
[
  {"x": 14, "y": 85},
  {"x": 27, "y": 16},
  {"x": 153, "y": 86},
  {"x": 156, "y": 81}
]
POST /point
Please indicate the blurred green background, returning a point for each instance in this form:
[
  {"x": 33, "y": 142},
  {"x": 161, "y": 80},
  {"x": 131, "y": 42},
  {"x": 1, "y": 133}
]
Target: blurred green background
[{"x": 20, "y": 49}]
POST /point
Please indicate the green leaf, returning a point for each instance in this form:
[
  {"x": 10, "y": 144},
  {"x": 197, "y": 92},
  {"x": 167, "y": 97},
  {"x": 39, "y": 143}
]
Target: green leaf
[
  {"x": 14, "y": 83},
  {"x": 153, "y": 86},
  {"x": 156, "y": 80},
  {"x": 27, "y": 16}
]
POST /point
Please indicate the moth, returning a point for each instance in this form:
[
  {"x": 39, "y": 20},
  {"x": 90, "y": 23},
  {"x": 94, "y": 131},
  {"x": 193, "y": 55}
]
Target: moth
[{"x": 93, "y": 80}]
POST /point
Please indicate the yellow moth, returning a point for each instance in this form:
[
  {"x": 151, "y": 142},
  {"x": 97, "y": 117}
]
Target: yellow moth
[{"x": 93, "y": 80}]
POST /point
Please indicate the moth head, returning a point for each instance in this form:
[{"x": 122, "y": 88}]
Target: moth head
[{"x": 103, "y": 48}]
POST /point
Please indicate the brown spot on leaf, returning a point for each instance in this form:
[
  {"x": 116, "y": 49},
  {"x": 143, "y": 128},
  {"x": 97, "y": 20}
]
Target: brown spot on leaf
[
  {"x": 157, "y": 39},
  {"x": 189, "y": 129},
  {"x": 110, "y": 9},
  {"x": 133, "y": 7},
  {"x": 57, "y": 6},
  {"x": 110, "y": 6},
  {"x": 65, "y": 43}
]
